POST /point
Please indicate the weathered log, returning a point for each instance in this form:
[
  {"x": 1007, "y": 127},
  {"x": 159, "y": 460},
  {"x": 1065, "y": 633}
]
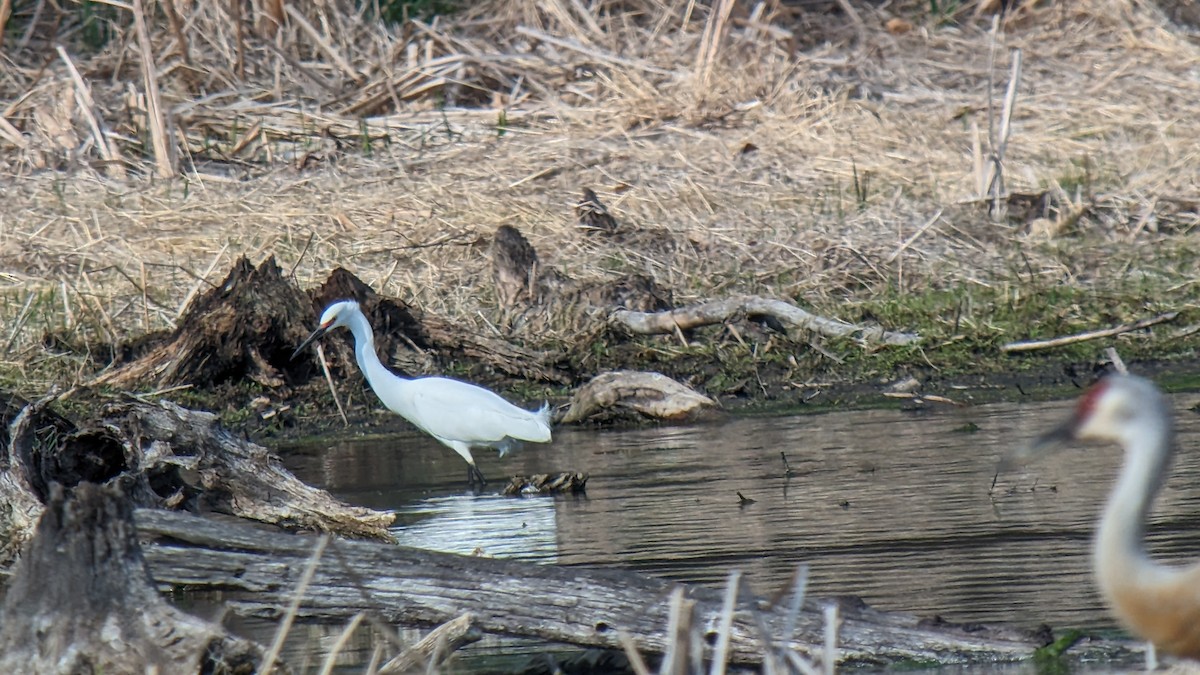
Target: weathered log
[
  {"x": 258, "y": 572},
  {"x": 236, "y": 476},
  {"x": 720, "y": 311},
  {"x": 651, "y": 395},
  {"x": 81, "y": 601},
  {"x": 246, "y": 327},
  {"x": 164, "y": 456},
  {"x": 27, "y": 428}
]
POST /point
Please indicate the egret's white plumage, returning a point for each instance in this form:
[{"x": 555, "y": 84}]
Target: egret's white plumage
[
  {"x": 459, "y": 414},
  {"x": 1160, "y": 603}
]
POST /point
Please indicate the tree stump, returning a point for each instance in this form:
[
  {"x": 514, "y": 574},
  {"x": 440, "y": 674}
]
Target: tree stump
[
  {"x": 245, "y": 327},
  {"x": 82, "y": 601},
  {"x": 593, "y": 215},
  {"x": 514, "y": 267},
  {"x": 412, "y": 339}
]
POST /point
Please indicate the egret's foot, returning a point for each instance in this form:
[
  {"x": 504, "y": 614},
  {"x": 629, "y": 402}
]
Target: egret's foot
[{"x": 475, "y": 477}]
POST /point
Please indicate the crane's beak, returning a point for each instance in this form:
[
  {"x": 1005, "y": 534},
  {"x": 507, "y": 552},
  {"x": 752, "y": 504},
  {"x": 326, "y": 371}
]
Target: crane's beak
[
  {"x": 1051, "y": 441},
  {"x": 316, "y": 335}
]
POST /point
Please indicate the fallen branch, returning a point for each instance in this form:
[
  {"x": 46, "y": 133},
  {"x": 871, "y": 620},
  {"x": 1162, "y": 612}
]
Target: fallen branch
[
  {"x": 1032, "y": 345},
  {"x": 720, "y": 311},
  {"x": 257, "y": 573}
]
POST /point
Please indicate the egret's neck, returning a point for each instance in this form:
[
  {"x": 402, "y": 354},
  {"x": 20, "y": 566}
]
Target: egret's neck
[
  {"x": 1119, "y": 550},
  {"x": 364, "y": 352}
]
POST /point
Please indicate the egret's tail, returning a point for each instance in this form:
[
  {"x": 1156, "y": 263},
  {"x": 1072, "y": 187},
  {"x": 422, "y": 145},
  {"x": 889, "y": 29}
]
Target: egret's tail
[{"x": 532, "y": 426}]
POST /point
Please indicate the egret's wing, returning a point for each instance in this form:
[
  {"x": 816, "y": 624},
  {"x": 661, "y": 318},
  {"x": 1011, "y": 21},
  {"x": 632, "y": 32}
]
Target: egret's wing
[{"x": 456, "y": 410}]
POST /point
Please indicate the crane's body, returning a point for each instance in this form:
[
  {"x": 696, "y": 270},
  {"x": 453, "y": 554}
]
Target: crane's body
[
  {"x": 459, "y": 414},
  {"x": 1160, "y": 603}
]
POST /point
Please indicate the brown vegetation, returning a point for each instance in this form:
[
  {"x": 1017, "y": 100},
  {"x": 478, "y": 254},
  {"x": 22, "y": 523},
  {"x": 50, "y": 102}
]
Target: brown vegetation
[{"x": 787, "y": 151}]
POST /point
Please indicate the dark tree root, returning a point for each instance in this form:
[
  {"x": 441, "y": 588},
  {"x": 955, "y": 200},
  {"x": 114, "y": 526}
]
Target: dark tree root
[{"x": 82, "y": 601}]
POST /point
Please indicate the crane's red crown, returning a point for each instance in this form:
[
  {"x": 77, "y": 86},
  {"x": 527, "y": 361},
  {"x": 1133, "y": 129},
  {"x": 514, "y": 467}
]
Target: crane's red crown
[{"x": 1087, "y": 402}]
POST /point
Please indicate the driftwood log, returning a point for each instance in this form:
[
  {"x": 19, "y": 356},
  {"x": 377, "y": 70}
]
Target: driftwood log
[
  {"x": 751, "y": 306},
  {"x": 81, "y": 601},
  {"x": 163, "y": 456},
  {"x": 258, "y": 573},
  {"x": 652, "y": 395}
]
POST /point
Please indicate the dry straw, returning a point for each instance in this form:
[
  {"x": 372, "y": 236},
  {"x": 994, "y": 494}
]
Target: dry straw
[{"x": 774, "y": 150}]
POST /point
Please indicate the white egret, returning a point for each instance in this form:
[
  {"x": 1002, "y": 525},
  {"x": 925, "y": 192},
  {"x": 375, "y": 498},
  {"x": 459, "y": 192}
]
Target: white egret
[
  {"x": 459, "y": 414},
  {"x": 1158, "y": 602}
]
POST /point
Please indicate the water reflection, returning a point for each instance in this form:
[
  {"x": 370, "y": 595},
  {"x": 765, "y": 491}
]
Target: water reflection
[
  {"x": 896, "y": 507},
  {"x": 488, "y": 524}
]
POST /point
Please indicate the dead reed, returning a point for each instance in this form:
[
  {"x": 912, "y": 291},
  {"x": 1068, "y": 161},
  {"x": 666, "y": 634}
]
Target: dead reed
[{"x": 774, "y": 150}]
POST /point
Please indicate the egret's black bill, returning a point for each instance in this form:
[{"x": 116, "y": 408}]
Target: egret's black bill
[{"x": 316, "y": 335}]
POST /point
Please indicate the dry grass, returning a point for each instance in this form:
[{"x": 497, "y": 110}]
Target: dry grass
[{"x": 813, "y": 165}]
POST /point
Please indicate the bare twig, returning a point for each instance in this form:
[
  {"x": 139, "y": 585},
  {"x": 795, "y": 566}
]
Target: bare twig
[
  {"x": 920, "y": 231},
  {"x": 340, "y": 644},
  {"x": 1117, "y": 361},
  {"x": 1032, "y": 345},
  {"x": 306, "y": 578},
  {"x": 330, "y": 50},
  {"x": 592, "y": 52},
  {"x": 332, "y": 388},
  {"x": 83, "y": 97},
  {"x": 163, "y": 157},
  {"x": 721, "y": 650},
  {"x": 437, "y": 645}
]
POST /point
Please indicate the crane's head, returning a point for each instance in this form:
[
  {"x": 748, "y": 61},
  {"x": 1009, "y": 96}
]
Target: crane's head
[
  {"x": 1118, "y": 408},
  {"x": 336, "y": 314}
]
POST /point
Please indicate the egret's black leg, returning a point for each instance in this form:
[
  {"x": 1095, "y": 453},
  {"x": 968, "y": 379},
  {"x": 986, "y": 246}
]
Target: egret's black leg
[{"x": 475, "y": 477}]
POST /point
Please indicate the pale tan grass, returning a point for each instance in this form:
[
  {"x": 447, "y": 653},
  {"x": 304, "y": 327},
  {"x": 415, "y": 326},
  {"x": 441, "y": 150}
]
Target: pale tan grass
[{"x": 1107, "y": 84}]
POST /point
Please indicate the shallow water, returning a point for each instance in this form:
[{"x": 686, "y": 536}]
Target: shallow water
[{"x": 895, "y": 506}]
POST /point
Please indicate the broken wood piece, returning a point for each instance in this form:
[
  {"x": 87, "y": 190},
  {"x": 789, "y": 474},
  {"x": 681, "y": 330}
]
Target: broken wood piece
[
  {"x": 514, "y": 266},
  {"x": 246, "y": 327},
  {"x": 165, "y": 456},
  {"x": 82, "y": 601},
  {"x": 257, "y": 572},
  {"x": 593, "y": 215},
  {"x": 1031, "y": 345},
  {"x": 720, "y": 311},
  {"x": 546, "y": 484},
  {"x": 653, "y": 395},
  {"x": 436, "y": 647},
  {"x": 241, "y": 478}
]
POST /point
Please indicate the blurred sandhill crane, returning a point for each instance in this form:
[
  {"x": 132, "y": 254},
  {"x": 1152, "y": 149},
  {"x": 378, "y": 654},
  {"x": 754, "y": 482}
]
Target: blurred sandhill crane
[{"x": 1158, "y": 602}]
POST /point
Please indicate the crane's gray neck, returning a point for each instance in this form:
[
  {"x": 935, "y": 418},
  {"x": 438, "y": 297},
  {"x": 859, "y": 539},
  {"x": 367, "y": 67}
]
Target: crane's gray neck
[
  {"x": 364, "y": 350},
  {"x": 1119, "y": 542}
]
